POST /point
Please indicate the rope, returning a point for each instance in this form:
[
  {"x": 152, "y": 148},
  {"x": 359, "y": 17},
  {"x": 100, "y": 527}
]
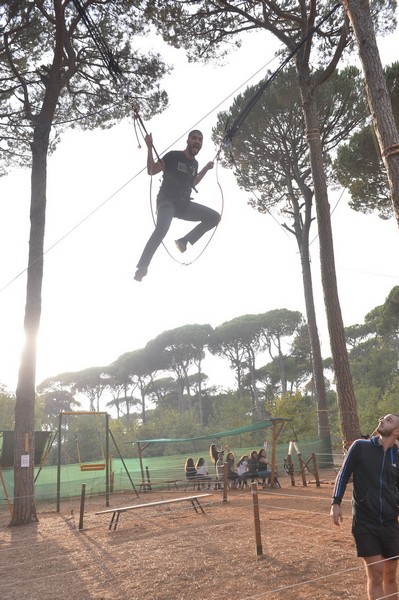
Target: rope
[
  {"x": 232, "y": 131},
  {"x": 391, "y": 150},
  {"x": 331, "y": 213},
  {"x": 301, "y": 583},
  {"x": 99, "y": 41},
  {"x": 142, "y": 128}
]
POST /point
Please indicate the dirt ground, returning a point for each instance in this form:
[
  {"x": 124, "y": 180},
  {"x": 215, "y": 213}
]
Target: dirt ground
[{"x": 173, "y": 553}]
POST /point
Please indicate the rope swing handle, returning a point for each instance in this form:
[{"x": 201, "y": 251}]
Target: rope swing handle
[{"x": 139, "y": 120}]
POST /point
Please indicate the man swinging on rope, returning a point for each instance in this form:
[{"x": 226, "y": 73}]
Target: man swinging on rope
[{"x": 180, "y": 176}]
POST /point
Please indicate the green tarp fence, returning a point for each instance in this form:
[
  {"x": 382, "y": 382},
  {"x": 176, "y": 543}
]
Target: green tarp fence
[{"x": 161, "y": 468}]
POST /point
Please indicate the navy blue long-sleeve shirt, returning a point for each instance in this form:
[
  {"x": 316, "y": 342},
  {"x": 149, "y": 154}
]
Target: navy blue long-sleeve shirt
[{"x": 375, "y": 474}]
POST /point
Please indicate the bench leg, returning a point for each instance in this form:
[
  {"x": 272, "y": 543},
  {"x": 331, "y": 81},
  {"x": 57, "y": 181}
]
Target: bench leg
[
  {"x": 112, "y": 520},
  {"x": 117, "y": 519},
  {"x": 196, "y": 503}
]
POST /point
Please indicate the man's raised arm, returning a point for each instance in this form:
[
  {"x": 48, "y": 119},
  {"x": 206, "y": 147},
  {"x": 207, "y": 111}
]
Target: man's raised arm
[
  {"x": 152, "y": 167},
  {"x": 203, "y": 172}
]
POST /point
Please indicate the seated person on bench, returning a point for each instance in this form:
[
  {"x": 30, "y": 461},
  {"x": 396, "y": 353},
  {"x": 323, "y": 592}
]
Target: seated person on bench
[
  {"x": 232, "y": 474},
  {"x": 242, "y": 469},
  {"x": 191, "y": 471},
  {"x": 252, "y": 465},
  {"x": 264, "y": 468},
  {"x": 202, "y": 473}
]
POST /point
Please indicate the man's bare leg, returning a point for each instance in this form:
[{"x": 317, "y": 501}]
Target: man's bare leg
[
  {"x": 389, "y": 579},
  {"x": 381, "y": 577},
  {"x": 375, "y": 575}
]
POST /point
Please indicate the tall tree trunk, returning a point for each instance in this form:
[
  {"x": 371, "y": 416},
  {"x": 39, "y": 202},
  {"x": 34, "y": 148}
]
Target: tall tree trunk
[
  {"x": 281, "y": 369},
  {"x": 345, "y": 392},
  {"x": 180, "y": 394},
  {"x": 127, "y": 401},
  {"x": 240, "y": 392},
  {"x": 323, "y": 424},
  {"x": 188, "y": 388},
  {"x": 301, "y": 232},
  {"x": 377, "y": 93},
  {"x": 201, "y": 408},
  {"x": 24, "y": 510},
  {"x": 143, "y": 413}
]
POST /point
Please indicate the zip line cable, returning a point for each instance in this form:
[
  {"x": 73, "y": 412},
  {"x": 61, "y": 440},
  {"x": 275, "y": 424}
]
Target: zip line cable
[
  {"x": 68, "y": 233},
  {"x": 239, "y": 120}
]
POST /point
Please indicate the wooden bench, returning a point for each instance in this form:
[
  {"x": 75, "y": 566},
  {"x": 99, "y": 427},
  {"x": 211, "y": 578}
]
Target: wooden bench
[
  {"x": 161, "y": 482},
  {"x": 117, "y": 511},
  {"x": 198, "y": 483}
]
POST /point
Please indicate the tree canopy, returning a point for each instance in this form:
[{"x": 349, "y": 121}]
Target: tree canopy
[
  {"x": 51, "y": 72},
  {"x": 359, "y": 166}
]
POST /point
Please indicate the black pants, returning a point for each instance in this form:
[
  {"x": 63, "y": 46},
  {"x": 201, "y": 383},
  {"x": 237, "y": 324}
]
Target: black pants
[{"x": 208, "y": 218}]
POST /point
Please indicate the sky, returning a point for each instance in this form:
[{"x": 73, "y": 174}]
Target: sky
[{"x": 99, "y": 218}]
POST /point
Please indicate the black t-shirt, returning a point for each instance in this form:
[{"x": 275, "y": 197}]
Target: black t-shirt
[{"x": 178, "y": 177}]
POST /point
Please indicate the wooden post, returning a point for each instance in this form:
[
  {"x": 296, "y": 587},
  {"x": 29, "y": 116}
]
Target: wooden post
[
  {"x": 111, "y": 475},
  {"x": 82, "y": 505},
  {"x": 255, "y": 502},
  {"x": 291, "y": 470},
  {"x": 224, "y": 483},
  {"x": 302, "y": 465},
  {"x": 107, "y": 485},
  {"x": 276, "y": 433},
  {"x": 147, "y": 472},
  {"x": 59, "y": 462},
  {"x": 139, "y": 450},
  {"x": 315, "y": 469}
]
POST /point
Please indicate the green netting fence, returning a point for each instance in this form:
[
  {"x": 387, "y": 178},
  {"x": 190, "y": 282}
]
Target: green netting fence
[{"x": 161, "y": 470}]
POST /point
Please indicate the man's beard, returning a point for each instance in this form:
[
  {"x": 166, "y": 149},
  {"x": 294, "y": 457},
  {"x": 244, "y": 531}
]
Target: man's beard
[{"x": 383, "y": 433}]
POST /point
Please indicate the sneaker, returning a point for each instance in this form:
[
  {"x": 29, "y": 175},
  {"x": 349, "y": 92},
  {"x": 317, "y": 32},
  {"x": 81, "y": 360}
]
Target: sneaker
[
  {"x": 140, "y": 273},
  {"x": 182, "y": 246}
]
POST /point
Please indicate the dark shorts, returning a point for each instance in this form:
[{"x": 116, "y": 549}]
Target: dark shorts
[{"x": 377, "y": 540}]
